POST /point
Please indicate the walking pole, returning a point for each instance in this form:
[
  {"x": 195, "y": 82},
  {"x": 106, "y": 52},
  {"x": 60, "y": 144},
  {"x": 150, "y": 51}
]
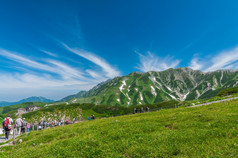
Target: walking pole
[{"x": 13, "y": 142}]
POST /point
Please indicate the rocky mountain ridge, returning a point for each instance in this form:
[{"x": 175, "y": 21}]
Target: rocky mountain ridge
[{"x": 151, "y": 87}]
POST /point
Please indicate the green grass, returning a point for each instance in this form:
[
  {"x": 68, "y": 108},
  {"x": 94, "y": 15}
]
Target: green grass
[{"x": 207, "y": 131}]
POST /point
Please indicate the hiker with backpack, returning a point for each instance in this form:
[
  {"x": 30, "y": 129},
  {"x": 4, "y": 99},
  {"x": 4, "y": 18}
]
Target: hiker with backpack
[
  {"x": 18, "y": 125},
  {"x": 147, "y": 109},
  {"x": 44, "y": 124},
  {"x": 141, "y": 109},
  {"x": 23, "y": 127},
  {"x": 7, "y": 125},
  {"x": 135, "y": 110},
  {"x": 74, "y": 119}
]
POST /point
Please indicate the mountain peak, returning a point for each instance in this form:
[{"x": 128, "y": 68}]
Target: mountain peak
[{"x": 155, "y": 86}]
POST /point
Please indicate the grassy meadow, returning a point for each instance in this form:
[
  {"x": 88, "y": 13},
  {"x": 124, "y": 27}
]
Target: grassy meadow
[{"x": 207, "y": 131}]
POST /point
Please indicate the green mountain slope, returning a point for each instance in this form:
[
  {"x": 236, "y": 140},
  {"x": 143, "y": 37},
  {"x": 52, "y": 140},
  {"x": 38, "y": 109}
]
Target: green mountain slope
[
  {"x": 152, "y": 87},
  {"x": 12, "y": 109},
  {"x": 207, "y": 131}
]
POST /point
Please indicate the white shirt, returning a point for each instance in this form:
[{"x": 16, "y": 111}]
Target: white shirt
[{"x": 19, "y": 122}]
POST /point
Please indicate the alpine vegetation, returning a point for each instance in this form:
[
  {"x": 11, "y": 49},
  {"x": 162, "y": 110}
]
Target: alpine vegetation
[{"x": 151, "y": 87}]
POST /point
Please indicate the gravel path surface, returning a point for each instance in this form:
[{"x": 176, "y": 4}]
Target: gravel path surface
[{"x": 218, "y": 101}]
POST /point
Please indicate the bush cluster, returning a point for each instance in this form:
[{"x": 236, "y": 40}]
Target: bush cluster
[{"x": 228, "y": 91}]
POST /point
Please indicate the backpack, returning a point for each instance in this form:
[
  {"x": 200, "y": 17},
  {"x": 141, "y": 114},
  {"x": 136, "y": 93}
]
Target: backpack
[{"x": 6, "y": 122}]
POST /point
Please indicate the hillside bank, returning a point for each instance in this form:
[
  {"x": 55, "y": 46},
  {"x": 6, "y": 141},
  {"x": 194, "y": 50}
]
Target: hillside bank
[{"x": 207, "y": 131}]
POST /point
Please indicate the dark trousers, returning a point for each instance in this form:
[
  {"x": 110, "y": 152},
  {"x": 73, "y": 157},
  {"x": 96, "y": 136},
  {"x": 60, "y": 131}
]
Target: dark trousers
[
  {"x": 7, "y": 132},
  {"x": 22, "y": 129}
]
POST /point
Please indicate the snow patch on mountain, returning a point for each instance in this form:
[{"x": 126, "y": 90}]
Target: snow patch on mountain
[
  {"x": 128, "y": 97},
  {"x": 128, "y": 89},
  {"x": 221, "y": 77},
  {"x": 141, "y": 97},
  {"x": 185, "y": 96},
  {"x": 216, "y": 83},
  {"x": 153, "y": 79},
  {"x": 172, "y": 96},
  {"x": 122, "y": 86},
  {"x": 198, "y": 94},
  {"x": 169, "y": 88},
  {"x": 153, "y": 90}
]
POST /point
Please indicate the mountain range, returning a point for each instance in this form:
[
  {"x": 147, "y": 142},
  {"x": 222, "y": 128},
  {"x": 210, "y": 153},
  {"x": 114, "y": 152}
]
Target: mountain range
[
  {"x": 151, "y": 87},
  {"x": 30, "y": 99}
]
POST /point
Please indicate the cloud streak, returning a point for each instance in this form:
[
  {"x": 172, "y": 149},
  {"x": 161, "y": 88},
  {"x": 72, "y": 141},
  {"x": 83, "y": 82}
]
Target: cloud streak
[
  {"x": 49, "y": 53},
  {"x": 52, "y": 66},
  {"x": 44, "y": 79},
  {"x": 196, "y": 64},
  {"x": 107, "y": 68},
  {"x": 150, "y": 62},
  {"x": 224, "y": 60}
]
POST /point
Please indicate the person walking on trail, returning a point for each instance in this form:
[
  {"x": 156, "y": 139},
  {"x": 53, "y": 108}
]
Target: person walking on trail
[
  {"x": 44, "y": 124},
  {"x": 135, "y": 110},
  {"x": 28, "y": 127},
  {"x": 18, "y": 125},
  {"x": 59, "y": 123},
  {"x": 23, "y": 127},
  {"x": 39, "y": 126},
  {"x": 7, "y": 125},
  {"x": 141, "y": 109},
  {"x": 147, "y": 109},
  {"x": 93, "y": 117}
]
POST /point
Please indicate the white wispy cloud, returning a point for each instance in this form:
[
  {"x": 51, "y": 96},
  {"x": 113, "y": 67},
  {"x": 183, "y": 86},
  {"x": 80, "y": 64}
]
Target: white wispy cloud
[
  {"x": 49, "y": 53},
  {"x": 25, "y": 85},
  {"x": 151, "y": 62},
  {"x": 196, "y": 64},
  {"x": 106, "y": 67},
  {"x": 52, "y": 66},
  {"x": 224, "y": 60},
  {"x": 65, "y": 70},
  {"x": 69, "y": 79},
  {"x": 95, "y": 74}
]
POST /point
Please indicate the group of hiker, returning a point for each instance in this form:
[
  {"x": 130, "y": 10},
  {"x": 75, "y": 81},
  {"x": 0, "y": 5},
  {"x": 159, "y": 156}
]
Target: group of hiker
[
  {"x": 45, "y": 124},
  {"x": 147, "y": 109},
  {"x": 20, "y": 125},
  {"x": 92, "y": 117}
]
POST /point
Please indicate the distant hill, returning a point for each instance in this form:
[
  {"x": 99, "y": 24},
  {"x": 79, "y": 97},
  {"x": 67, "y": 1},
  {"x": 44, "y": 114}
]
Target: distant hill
[
  {"x": 156, "y": 86},
  {"x": 78, "y": 95},
  {"x": 30, "y": 99}
]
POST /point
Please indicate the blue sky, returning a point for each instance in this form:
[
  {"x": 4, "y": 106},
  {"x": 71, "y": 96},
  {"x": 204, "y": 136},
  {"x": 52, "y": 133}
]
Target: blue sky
[{"x": 55, "y": 48}]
